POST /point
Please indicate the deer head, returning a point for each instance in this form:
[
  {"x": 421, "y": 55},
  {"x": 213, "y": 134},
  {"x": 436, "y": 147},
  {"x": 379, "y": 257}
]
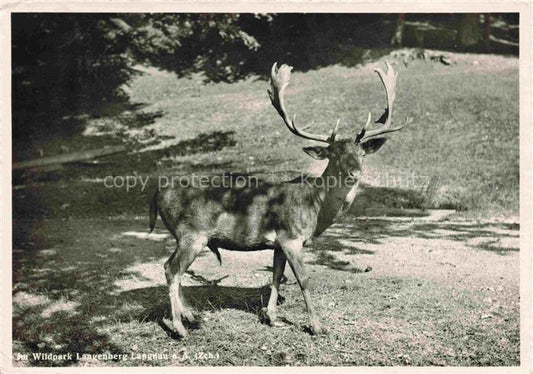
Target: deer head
[{"x": 344, "y": 155}]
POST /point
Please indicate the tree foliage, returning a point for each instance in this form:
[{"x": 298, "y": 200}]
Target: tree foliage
[
  {"x": 184, "y": 43},
  {"x": 60, "y": 59},
  {"x": 66, "y": 63}
]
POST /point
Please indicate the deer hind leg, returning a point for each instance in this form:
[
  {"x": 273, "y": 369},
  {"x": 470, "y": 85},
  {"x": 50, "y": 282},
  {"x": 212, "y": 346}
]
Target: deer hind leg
[
  {"x": 293, "y": 250},
  {"x": 188, "y": 248},
  {"x": 278, "y": 268}
]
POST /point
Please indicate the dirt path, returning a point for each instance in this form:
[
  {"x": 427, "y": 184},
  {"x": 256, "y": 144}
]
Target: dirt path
[{"x": 411, "y": 291}]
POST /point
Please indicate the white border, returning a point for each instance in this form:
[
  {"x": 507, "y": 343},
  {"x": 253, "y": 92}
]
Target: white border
[{"x": 526, "y": 153}]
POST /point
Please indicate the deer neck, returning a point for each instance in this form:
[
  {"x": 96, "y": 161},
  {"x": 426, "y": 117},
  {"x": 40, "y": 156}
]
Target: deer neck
[{"x": 335, "y": 195}]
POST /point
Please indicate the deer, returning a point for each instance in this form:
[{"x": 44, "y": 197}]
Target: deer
[{"x": 283, "y": 217}]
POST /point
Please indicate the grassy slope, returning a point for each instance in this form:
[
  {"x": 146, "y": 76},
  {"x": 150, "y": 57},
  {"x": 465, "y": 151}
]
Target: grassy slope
[
  {"x": 465, "y": 129},
  {"x": 442, "y": 293}
]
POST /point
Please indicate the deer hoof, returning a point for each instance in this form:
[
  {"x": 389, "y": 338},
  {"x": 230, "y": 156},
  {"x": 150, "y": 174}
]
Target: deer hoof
[
  {"x": 278, "y": 324},
  {"x": 317, "y": 329},
  {"x": 269, "y": 318},
  {"x": 189, "y": 316}
]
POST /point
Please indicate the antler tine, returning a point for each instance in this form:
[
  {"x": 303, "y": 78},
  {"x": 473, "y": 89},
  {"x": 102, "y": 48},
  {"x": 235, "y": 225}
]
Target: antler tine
[
  {"x": 388, "y": 80},
  {"x": 361, "y": 133},
  {"x": 334, "y": 132},
  {"x": 279, "y": 80}
]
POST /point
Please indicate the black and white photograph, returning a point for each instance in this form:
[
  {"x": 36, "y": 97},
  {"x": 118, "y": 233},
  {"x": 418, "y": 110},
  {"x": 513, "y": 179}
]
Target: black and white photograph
[{"x": 301, "y": 188}]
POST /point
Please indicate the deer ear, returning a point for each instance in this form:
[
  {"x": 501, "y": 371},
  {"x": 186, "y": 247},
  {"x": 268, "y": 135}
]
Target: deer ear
[
  {"x": 318, "y": 153},
  {"x": 372, "y": 145}
]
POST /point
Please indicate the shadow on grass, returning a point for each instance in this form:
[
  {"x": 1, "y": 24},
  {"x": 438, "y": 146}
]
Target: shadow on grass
[
  {"x": 61, "y": 309},
  {"x": 156, "y": 307},
  {"x": 51, "y": 134},
  {"x": 70, "y": 292},
  {"x": 209, "y": 296},
  {"x": 35, "y": 200},
  {"x": 78, "y": 296},
  {"x": 133, "y": 160},
  {"x": 346, "y": 238},
  {"x": 148, "y": 162},
  {"x": 376, "y": 230},
  {"x": 65, "y": 298}
]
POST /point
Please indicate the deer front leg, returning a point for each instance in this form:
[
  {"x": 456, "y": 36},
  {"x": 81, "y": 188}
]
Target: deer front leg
[
  {"x": 293, "y": 250},
  {"x": 278, "y": 268}
]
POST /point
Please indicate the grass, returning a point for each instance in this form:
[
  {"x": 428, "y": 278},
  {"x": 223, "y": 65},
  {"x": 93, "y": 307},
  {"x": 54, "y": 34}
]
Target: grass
[
  {"x": 463, "y": 138},
  {"x": 437, "y": 295},
  {"x": 86, "y": 279},
  {"x": 464, "y": 133}
]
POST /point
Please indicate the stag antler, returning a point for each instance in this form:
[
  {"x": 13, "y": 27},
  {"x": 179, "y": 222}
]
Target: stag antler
[
  {"x": 279, "y": 80},
  {"x": 389, "y": 82}
]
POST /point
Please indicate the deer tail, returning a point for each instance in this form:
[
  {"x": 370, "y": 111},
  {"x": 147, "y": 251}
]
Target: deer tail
[{"x": 153, "y": 211}]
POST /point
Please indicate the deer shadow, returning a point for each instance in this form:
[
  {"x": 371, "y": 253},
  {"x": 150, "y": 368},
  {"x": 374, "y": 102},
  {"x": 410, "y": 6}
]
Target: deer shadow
[{"x": 201, "y": 298}]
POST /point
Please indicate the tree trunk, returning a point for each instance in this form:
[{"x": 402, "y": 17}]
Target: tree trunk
[
  {"x": 486, "y": 31},
  {"x": 469, "y": 32},
  {"x": 311, "y": 43},
  {"x": 397, "y": 37}
]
